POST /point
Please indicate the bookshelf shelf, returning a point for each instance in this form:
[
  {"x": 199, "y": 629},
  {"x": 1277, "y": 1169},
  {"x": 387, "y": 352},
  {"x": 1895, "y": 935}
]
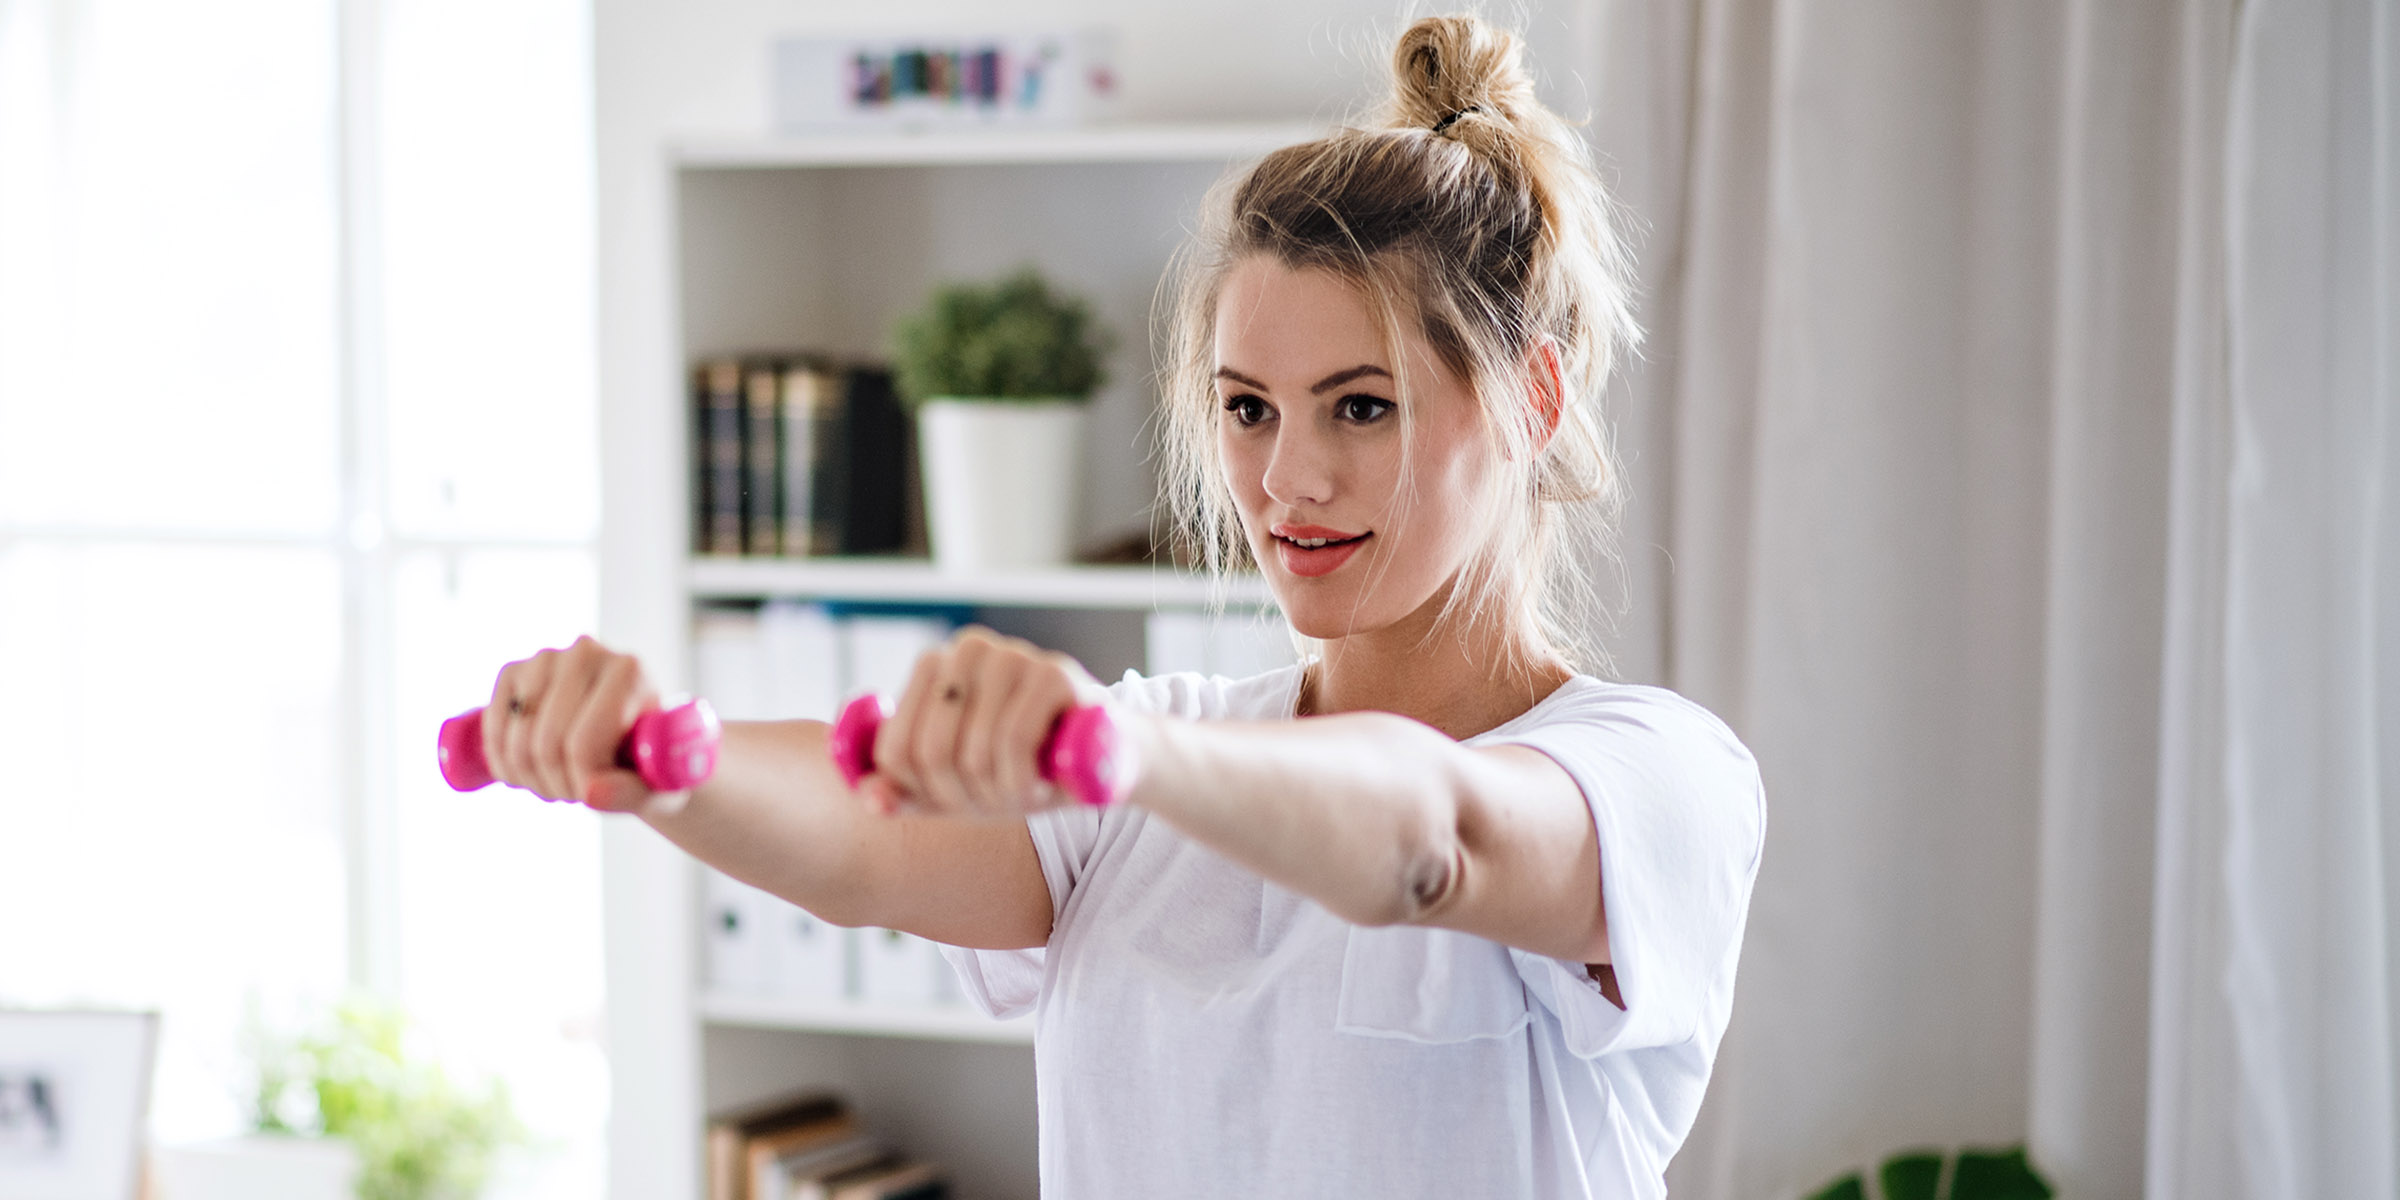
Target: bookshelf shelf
[
  {"x": 940, "y": 1024},
  {"x": 1129, "y": 143},
  {"x": 917, "y": 581}
]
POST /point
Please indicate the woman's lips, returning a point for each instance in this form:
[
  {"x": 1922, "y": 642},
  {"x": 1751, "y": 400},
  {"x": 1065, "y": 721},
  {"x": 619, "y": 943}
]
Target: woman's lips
[{"x": 1324, "y": 560}]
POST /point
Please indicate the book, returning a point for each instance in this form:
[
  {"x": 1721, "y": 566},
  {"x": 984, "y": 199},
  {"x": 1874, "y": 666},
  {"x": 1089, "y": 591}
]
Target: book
[
  {"x": 727, "y": 666},
  {"x": 1058, "y": 76},
  {"x": 897, "y": 1179},
  {"x": 877, "y": 445},
  {"x": 765, "y": 1153},
  {"x": 880, "y": 648},
  {"x": 730, "y": 1132},
  {"x": 811, "y": 430},
  {"x": 807, "y": 956},
  {"x": 795, "y": 457},
  {"x": 762, "y": 457},
  {"x": 803, "y": 1175},
  {"x": 717, "y": 456},
  {"x": 899, "y": 970},
  {"x": 799, "y": 648},
  {"x": 741, "y": 933}
]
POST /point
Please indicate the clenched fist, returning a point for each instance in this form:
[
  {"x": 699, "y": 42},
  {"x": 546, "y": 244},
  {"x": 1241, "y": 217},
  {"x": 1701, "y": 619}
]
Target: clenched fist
[
  {"x": 965, "y": 736},
  {"x": 554, "y": 723}
]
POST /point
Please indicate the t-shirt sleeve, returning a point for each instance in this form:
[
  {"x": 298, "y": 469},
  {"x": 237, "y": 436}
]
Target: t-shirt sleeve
[
  {"x": 1007, "y": 983},
  {"x": 1680, "y": 813}
]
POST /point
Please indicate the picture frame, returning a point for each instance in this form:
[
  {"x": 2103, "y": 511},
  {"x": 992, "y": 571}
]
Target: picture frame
[{"x": 74, "y": 1102}]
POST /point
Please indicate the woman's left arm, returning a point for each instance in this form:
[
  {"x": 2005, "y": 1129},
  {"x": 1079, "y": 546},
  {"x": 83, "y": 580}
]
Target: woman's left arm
[{"x": 1384, "y": 821}]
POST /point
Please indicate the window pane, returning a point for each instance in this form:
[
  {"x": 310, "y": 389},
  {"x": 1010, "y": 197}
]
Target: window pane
[
  {"x": 488, "y": 300},
  {"x": 172, "y": 815},
  {"x": 499, "y": 892},
  {"x": 168, "y": 316}
]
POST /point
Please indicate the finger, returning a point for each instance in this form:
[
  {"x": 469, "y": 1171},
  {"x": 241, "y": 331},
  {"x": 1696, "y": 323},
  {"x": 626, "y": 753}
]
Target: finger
[
  {"x": 937, "y": 735},
  {"x": 617, "y": 698},
  {"x": 506, "y": 727},
  {"x": 617, "y": 790},
  {"x": 561, "y": 702},
  {"x": 895, "y": 742},
  {"x": 1015, "y": 774},
  {"x": 995, "y": 677},
  {"x": 879, "y": 795},
  {"x": 1047, "y": 697}
]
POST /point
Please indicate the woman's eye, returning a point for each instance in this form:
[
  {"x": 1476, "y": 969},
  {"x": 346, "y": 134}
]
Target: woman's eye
[
  {"x": 1363, "y": 409},
  {"x": 1247, "y": 410}
]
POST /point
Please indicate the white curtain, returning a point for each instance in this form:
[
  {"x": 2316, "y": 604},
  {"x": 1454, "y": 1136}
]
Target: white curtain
[{"x": 2015, "y": 469}]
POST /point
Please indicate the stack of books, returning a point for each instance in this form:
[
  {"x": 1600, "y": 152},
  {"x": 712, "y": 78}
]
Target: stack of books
[
  {"x": 795, "y": 456},
  {"x": 808, "y": 1146}
]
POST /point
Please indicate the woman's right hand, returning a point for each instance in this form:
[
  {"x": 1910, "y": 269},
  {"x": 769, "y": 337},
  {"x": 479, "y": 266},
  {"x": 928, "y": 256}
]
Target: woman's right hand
[{"x": 555, "y": 720}]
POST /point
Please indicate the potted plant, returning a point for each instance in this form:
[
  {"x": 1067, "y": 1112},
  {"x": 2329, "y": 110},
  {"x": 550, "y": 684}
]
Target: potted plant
[
  {"x": 999, "y": 376},
  {"x": 360, "y": 1110},
  {"x": 1968, "y": 1174}
]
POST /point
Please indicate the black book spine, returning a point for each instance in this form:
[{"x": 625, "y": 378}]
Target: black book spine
[
  {"x": 762, "y": 455},
  {"x": 875, "y": 495},
  {"x": 717, "y": 454},
  {"x": 812, "y": 431},
  {"x": 829, "y": 480}
]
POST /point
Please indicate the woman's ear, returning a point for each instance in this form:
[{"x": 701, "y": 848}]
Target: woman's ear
[{"x": 1549, "y": 383}]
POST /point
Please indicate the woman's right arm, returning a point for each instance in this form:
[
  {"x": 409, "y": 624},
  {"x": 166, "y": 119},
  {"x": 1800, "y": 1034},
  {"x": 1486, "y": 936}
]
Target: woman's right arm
[{"x": 776, "y": 814}]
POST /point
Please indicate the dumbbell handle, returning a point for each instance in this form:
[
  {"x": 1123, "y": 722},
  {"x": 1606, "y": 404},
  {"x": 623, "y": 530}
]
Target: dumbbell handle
[
  {"x": 672, "y": 749},
  {"x": 1084, "y": 754}
]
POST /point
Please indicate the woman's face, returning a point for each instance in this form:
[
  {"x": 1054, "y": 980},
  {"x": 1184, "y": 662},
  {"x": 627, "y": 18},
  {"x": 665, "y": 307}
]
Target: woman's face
[{"x": 1309, "y": 434}]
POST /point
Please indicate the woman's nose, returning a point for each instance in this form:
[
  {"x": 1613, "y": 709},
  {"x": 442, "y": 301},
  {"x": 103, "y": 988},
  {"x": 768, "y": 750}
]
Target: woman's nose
[{"x": 1300, "y": 471}]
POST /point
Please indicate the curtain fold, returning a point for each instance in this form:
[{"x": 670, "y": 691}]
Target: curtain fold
[
  {"x": 2301, "y": 973},
  {"x": 2015, "y": 467}
]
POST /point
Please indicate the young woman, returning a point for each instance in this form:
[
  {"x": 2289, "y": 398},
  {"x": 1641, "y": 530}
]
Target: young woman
[{"x": 1436, "y": 911}]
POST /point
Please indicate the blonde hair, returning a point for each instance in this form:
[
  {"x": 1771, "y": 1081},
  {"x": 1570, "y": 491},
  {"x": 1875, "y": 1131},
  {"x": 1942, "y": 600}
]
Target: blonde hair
[{"x": 1472, "y": 212}]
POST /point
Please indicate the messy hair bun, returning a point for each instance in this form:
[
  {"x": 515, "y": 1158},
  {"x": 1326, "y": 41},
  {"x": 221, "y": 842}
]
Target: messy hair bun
[
  {"x": 1452, "y": 70},
  {"x": 1469, "y": 213}
]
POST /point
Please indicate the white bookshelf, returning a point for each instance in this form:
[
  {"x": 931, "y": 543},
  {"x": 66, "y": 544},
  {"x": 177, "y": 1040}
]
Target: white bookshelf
[
  {"x": 864, "y": 579},
  {"x": 1153, "y": 143},
  {"x": 819, "y": 243}
]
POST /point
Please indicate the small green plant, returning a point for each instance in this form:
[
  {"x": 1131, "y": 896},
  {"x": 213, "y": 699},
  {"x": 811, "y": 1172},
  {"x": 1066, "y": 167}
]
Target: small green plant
[
  {"x": 1972, "y": 1175},
  {"x": 1013, "y": 339},
  {"x": 419, "y": 1135}
]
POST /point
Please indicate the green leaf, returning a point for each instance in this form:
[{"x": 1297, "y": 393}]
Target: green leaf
[
  {"x": 1012, "y": 338},
  {"x": 1998, "y": 1175},
  {"x": 419, "y": 1135},
  {"x": 1848, "y": 1187},
  {"x": 1912, "y": 1175}
]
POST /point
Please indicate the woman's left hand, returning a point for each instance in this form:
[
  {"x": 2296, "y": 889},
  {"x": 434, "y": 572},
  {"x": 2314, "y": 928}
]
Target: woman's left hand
[{"x": 964, "y": 738}]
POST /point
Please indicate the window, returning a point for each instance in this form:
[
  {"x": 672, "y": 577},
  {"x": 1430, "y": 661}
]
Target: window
[{"x": 297, "y": 445}]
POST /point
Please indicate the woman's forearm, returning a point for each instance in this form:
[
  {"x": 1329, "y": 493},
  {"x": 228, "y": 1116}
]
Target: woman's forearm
[
  {"x": 1358, "y": 811},
  {"x": 777, "y": 816}
]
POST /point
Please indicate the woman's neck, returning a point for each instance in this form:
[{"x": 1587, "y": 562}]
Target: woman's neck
[{"x": 1458, "y": 688}]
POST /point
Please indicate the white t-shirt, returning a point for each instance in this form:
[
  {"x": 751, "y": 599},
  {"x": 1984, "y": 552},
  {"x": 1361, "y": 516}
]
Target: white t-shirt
[{"x": 1202, "y": 1032}]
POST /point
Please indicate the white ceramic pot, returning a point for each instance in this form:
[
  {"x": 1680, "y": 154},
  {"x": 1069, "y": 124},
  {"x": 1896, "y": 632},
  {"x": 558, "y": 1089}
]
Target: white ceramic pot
[
  {"x": 247, "y": 1168},
  {"x": 1000, "y": 481}
]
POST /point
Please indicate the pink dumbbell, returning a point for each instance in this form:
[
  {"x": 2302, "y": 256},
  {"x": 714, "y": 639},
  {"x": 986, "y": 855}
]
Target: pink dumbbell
[
  {"x": 1083, "y": 754},
  {"x": 672, "y": 749}
]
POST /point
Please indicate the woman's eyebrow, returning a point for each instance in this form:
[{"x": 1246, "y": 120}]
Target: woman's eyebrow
[
  {"x": 1338, "y": 378},
  {"x": 1330, "y": 382}
]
